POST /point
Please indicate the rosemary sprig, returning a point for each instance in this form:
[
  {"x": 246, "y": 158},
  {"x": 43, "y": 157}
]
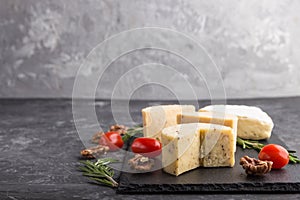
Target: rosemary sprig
[
  {"x": 253, "y": 144},
  {"x": 249, "y": 144},
  {"x": 132, "y": 132},
  {"x": 99, "y": 171}
]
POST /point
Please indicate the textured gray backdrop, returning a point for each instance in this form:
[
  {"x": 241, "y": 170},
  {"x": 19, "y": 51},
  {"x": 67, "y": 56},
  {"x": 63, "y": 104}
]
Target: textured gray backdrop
[{"x": 256, "y": 45}]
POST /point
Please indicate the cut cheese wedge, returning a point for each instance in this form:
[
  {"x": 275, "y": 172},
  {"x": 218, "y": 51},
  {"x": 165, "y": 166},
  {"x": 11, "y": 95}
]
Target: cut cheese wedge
[
  {"x": 156, "y": 118},
  {"x": 253, "y": 123},
  {"x": 209, "y": 117},
  {"x": 188, "y": 146}
]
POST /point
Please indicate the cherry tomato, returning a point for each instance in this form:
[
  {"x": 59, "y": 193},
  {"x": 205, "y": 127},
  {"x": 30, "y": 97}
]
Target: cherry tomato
[
  {"x": 275, "y": 153},
  {"x": 148, "y": 147},
  {"x": 113, "y": 140}
]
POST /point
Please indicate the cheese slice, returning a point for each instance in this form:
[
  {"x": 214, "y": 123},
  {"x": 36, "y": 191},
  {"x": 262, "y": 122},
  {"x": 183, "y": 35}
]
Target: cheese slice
[
  {"x": 253, "y": 123},
  {"x": 210, "y": 117},
  {"x": 156, "y": 118},
  {"x": 188, "y": 146}
]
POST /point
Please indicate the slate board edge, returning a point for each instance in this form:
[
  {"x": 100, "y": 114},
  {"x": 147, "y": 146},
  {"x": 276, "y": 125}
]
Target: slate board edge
[{"x": 237, "y": 188}]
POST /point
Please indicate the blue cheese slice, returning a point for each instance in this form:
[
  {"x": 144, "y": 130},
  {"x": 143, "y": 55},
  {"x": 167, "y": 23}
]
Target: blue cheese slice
[
  {"x": 253, "y": 123},
  {"x": 188, "y": 146},
  {"x": 156, "y": 118},
  {"x": 210, "y": 117}
]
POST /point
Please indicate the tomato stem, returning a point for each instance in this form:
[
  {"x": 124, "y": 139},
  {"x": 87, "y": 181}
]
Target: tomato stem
[{"x": 132, "y": 132}]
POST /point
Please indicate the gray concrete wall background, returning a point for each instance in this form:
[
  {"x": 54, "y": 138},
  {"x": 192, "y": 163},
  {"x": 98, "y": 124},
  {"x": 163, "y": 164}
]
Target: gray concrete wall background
[{"x": 255, "y": 44}]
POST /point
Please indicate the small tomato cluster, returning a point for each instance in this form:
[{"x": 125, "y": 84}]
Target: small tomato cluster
[{"x": 148, "y": 147}]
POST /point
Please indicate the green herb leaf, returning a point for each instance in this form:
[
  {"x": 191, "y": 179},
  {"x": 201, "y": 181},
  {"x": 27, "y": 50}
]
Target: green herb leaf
[
  {"x": 132, "y": 132},
  {"x": 99, "y": 171}
]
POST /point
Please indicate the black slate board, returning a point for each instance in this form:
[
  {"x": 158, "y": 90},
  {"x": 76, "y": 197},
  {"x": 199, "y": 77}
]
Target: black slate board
[{"x": 215, "y": 180}]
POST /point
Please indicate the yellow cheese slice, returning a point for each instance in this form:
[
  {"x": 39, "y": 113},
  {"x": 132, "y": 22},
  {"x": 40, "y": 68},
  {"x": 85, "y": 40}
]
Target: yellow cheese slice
[
  {"x": 156, "y": 118},
  {"x": 188, "y": 146},
  {"x": 209, "y": 117}
]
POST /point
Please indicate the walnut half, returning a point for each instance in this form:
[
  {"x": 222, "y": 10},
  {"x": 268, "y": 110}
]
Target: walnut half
[
  {"x": 254, "y": 166},
  {"x": 141, "y": 163},
  {"x": 119, "y": 128},
  {"x": 90, "y": 153},
  {"x": 96, "y": 137}
]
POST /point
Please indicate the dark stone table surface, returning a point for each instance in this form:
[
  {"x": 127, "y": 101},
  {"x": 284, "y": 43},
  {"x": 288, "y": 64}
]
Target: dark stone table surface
[{"x": 39, "y": 147}]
